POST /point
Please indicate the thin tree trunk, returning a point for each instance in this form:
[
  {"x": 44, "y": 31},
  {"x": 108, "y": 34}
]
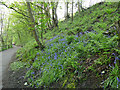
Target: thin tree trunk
[
  {"x": 33, "y": 26},
  {"x": 79, "y": 6},
  {"x": 7, "y": 32},
  {"x": 56, "y": 18},
  {"x": 53, "y": 18},
  {"x": 3, "y": 43},
  {"x": 67, "y": 16},
  {"x": 72, "y": 10}
]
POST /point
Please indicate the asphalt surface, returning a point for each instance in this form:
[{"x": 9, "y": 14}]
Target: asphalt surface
[{"x": 5, "y": 59}]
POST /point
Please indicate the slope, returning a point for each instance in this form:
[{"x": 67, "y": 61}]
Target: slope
[{"x": 82, "y": 53}]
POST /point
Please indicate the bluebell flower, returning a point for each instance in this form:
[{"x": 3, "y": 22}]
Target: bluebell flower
[
  {"x": 118, "y": 79},
  {"x": 59, "y": 63},
  {"x": 46, "y": 70},
  {"x": 63, "y": 42},
  {"x": 76, "y": 36},
  {"x": 65, "y": 50},
  {"x": 40, "y": 71},
  {"x": 110, "y": 65},
  {"x": 51, "y": 44},
  {"x": 116, "y": 58},
  {"x": 113, "y": 54},
  {"x": 50, "y": 64},
  {"x": 36, "y": 58},
  {"x": 38, "y": 53},
  {"x": 115, "y": 61},
  {"x": 49, "y": 57},
  {"x": 61, "y": 39},
  {"x": 55, "y": 57},
  {"x": 37, "y": 84},
  {"x": 32, "y": 72},
  {"x": 61, "y": 66},
  {"x": 42, "y": 56},
  {"x": 32, "y": 78}
]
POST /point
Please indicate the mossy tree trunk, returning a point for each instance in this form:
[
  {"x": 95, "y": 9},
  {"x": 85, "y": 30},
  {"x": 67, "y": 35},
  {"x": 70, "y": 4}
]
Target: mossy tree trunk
[{"x": 33, "y": 26}]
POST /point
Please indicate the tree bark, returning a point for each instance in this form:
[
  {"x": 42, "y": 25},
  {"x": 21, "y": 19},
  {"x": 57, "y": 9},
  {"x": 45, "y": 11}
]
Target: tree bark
[
  {"x": 72, "y": 10},
  {"x": 54, "y": 14},
  {"x": 2, "y": 40},
  {"x": 33, "y": 26},
  {"x": 66, "y": 14}
]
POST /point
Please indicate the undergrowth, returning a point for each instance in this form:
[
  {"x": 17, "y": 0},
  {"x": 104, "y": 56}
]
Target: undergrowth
[{"x": 76, "y": 49}]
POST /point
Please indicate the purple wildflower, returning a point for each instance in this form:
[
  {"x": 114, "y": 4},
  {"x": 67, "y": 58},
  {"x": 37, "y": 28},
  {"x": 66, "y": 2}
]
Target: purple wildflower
[
  {"x": 49, "y": 57},
  {"x": 50, "y": 64},
  {"x": 115, "y": 61},
  {"x": 51, "y": 44},
  {"x": 61, "y": 66},
  {"x": 38, "y": 53},
  {"x": 55, "y": 57},
  {"x": 113, "y": 54},
  {"x": 37, "y": 84},
  {"x": 32, "y": 72},
  {"x": 110, "y": 65},
  {"x": 65, "y": 50},
  {"x": 118, "y": 79},
  {"x": 36, "y": 58}
]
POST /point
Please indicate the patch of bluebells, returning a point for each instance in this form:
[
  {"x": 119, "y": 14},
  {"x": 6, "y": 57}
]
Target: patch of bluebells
[
  {"x": 118, "y": 82},
  {"x": 52, "y": 58},
  {"x": 113, "y": 66}
]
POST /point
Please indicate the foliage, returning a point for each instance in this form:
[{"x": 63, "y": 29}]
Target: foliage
[
  {"x": 114, "y": 80},
  {"x": 17, "y": 65},
  {"x": 66, "y": 53}
]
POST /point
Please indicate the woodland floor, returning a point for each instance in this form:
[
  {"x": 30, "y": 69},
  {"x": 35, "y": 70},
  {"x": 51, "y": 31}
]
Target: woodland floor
[{"x": 15, "y": 79}]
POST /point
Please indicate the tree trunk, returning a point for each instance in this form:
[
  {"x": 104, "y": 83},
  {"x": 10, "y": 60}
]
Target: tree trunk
[
  {"x": 54, "y": 14},
  {"x": 2, "y": 40},
  {"x": 33, "y": 26},
  {"x": 56, "y": 18},
  {"x": 72, "y": 10},
  {"x": 7, "y": 33},
  {"x": 66, "y": 15},
  {"x": 79, "y": 6}
]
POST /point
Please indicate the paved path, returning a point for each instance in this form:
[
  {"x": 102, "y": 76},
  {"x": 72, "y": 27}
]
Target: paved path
[{"x": 5, "y": 59}]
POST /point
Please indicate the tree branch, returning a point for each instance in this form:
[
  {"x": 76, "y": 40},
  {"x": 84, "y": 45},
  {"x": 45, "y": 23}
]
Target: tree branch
[{"x": 14, "y": 9}]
